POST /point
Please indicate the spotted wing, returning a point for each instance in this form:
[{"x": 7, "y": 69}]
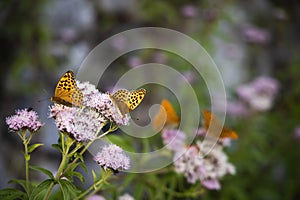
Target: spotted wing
[{"x": 66, "y": 91}]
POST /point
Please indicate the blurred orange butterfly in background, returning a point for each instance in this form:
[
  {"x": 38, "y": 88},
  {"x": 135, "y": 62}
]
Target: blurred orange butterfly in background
[
  {"x": 212, "y": 122},
  {"x": 166, "y": 117},
  {"x": 67, "y": 92}
]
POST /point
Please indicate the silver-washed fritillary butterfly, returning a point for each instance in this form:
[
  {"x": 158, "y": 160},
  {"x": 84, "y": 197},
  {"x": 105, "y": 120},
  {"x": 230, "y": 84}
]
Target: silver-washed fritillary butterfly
[
  {"x": 67, "y": 92},
  {"x": 126, "y": 101}
]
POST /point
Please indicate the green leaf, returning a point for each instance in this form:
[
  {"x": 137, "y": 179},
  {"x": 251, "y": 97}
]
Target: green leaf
[
  {"x": 120, "y": 141},
  {"x": 11, "y": 193},
  {"x": 39, "y": 191},
  {"x": 83, "y": 166},
  {"x": 94, "y": 176},
  {"x": 58, "y": 147},
  {"x": 19, "y": 182},
  {"x": 77, "y": 155},
  {"x": 68, "y": 189},
  {"x": 43, "y": 170},
  {"x": 31, "y": 148},
  {"x": 79, "y": 176}
]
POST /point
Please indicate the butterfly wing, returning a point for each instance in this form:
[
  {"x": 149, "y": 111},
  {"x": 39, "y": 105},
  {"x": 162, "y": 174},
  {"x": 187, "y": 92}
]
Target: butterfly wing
[
  {"x": 212, "y": 124},
  {"x": 120, "y": 99},
  {"x": 166, "y": 117},
  {"x": 66, "y": 91},
  {"x": 135, "y": 98},
  {"x": 126, "y": 101}
]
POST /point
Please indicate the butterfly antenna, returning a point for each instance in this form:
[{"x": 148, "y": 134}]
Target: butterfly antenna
[{"x": 43, "y": 99}]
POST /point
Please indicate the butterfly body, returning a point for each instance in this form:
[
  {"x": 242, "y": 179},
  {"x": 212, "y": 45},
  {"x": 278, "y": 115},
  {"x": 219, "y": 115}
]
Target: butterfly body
[
  {"x": 66, "y": 91},
  {"x": 126, "y": 101}
]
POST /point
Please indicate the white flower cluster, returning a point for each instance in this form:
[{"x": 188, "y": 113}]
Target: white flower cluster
[{"x": 198, "y": 162}]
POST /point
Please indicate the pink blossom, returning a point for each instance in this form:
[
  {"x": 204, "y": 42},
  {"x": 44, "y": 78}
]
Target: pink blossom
[
  {"x": 174, "y": 139},
  {"x": 24, "y": 119},
  {"x": 297, "y": 132},
  {"x": 112, "y": 157},
  {"x": 260, "y": 93},
  {"x": 211, "y": 184},
  {"x": 189, "y": 11},
  {"x": 255, "y": 35}
]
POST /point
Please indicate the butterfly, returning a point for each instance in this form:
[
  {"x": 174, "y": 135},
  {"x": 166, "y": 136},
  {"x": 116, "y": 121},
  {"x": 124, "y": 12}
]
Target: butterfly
[
  {"x": 212, "y": 123},
  {"x": 166, "y": 117},
  {"x": 67, "y": 92},
  {"x": 126, "y": 101}
]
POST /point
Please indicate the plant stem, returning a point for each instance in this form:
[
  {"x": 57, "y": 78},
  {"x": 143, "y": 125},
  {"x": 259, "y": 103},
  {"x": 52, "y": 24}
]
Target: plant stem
[
  {"x": 65, "y": 158},
  {"x": 49, "y": 191},
  {"x": 27, "y": 158},
  {"x": 97, "y": 185},
  {"x": 86, "y": 147}
]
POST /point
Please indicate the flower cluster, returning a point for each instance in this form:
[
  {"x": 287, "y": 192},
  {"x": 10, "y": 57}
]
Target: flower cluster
[
  {"x": 125, "y": 196},
  {"x": 24, "y": 119},
  {"x": 112, "y": 157},
  {"x": 85, "y": 123},
  {"x": 255, "y": 35},
  {"x": 102, "y": 103},
  {"x": 198, "y": 162},
  {"x": 258, "y": 95}
]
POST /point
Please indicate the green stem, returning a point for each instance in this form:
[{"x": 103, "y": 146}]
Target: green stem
[
  {"x": 49, "y": 191},
  {"x": 86, "y": 147},
  {"x": 96, "y": 186},
  {"x": 27, "y": 158},
  {"x": 65, "y": 158}
]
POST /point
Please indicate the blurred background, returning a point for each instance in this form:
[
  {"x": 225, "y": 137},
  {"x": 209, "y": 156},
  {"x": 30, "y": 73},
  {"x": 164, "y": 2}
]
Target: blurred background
[{"x": 255, "y": 44}]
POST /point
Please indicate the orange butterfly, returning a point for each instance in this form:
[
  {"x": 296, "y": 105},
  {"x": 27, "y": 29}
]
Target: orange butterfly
[
  {"x": 67, "y": 92},
  {"x": 211, "y": 122},
  {"x": 168, "y": 113}
]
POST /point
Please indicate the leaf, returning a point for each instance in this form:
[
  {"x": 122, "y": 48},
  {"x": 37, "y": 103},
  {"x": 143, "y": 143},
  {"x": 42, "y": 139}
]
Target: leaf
[
  {"x": 83, "y": 166},
  {"x": 19, "y": 182},
  {"x": 11, "y": 193},
  {"x": 123, "y": 143},
  {"x": 79, "y": 176},
  {"x": 43, "y": 170},
  {"x": 31, "y": 148},
  {"x": 58, "y": 147},
  {"x": 68, "y": 189},
  {"x": 38, "y": 191},
  {"x": 77, "y": 155},
  {"x": 94, "y": 176}
]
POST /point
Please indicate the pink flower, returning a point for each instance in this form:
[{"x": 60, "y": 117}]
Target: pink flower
[
  {"x": 190, "y": 76},
  {"x": 189, "y": 11},
  {"x": 202, "y": 163},
  {"x": 255, "y": 35},
  {"x": 134, "y": 61},
  {"x": 211, "y": 184},
  {"x": 174, "y": 139},
  {"x": 297, "y": 132},
  {"x": 190, "y": 164},
  {"x": 96, "y": 197},
  {"x": 125, "y": 196},
  {"x": 102, "y": 102},
  {"x": 24, "y": 119},
  {"x": 260, "y": 93},
  {"x": 112, "y": 157},
  {"x": 82, "y": 124},
  {"x": 237, "y": 109}
]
